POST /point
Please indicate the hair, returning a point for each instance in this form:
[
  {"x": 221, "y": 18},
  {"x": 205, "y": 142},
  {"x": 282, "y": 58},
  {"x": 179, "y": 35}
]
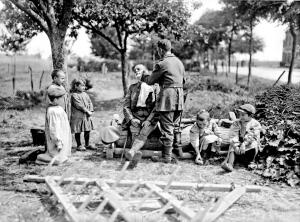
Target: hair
[
  {"x": 55, "y": 73},
  {"x": 144, "y": 72},
  {"x": 164, "y": 44},
  {"x": 75, "y": 83},
  {"x": 203, "y": 112},
  {"x": 51, "y": 98}
]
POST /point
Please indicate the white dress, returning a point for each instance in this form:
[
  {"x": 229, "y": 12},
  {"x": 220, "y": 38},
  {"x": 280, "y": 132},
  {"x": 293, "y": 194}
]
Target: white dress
[{"x": 58, "y": 135}]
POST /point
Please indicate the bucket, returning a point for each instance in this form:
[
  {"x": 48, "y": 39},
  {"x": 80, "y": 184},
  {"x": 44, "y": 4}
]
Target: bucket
[{"x": 38, "y": 137}]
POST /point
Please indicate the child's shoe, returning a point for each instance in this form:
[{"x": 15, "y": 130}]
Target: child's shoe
[
  {"x": 90, "y": 147},
  {"x": 81, "y": 148},
  {"x": 227, "y": 167}
]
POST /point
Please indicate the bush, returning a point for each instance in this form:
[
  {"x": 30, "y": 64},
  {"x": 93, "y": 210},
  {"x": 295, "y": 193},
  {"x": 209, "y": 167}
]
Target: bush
[{"x": 112, "y": 65}]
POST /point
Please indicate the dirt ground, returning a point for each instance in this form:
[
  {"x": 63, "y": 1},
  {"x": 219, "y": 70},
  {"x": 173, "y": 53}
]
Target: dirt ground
[{"x": 21, "y": 201}]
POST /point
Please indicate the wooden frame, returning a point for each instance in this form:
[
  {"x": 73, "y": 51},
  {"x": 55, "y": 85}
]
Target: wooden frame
[{"x": 157, "y": 201}]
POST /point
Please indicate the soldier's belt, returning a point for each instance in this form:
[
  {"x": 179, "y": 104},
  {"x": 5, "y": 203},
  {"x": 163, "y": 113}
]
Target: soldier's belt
[{"x": 172, "y": 86}]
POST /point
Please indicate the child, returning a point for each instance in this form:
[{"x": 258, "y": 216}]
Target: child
[
  {"x": 202, "y": 134},
  {"x": 58, "y": 77},
  {"x": 81, "y": 112},
  {"x": 244, "y": 138},
  {"x": 57, "y": 130}
]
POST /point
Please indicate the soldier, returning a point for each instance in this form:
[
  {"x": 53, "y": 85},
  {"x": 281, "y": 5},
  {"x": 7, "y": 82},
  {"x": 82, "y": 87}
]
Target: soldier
[{"x": 169, "y": 74}]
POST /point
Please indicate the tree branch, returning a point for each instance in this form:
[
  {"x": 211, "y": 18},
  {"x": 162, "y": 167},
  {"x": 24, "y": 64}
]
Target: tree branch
[
  {"x": 119, "y": 35},
  {"x": 95, "y": 30},
  {"x": 33, "y": 15},
  {"x": 66, "y": 13}
]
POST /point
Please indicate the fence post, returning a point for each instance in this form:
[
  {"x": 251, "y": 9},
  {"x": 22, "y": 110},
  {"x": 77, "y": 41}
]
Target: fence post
[
  {"x": 41, "y": 79},
  {"x": 237, "y": 73},
  {"x": 31, "y": 78}
]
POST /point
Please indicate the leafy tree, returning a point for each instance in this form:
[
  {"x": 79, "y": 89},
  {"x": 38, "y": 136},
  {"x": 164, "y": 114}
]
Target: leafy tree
[
  {"x": 27, "y": 18},
  {"x": 250, "y": 12},
  {"x": 241, "y": 42},
  {"x": 128, "y": 18},
  {"x": 288, "y": 13}
]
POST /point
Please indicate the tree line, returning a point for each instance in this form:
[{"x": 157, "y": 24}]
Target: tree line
[{"x": 115, "y": 22}]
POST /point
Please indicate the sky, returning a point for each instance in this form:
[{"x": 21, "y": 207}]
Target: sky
[{"x": 271, "y": 33}]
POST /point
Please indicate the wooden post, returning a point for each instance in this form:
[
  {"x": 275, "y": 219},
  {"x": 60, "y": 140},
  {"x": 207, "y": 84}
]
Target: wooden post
[
  {"x": 237, "y": 73},
  {"x": 14, "y": 76},
  {"x": 278, "y": 78},
  {"x": 31, "y": 78},
  {"x": 41, "y": 79}
]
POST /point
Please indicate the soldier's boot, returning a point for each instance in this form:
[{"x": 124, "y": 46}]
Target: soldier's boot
[{"x": 134, "y": 155}]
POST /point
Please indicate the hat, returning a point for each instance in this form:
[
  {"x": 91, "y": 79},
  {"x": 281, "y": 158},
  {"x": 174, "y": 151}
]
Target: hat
[
  {"x": 164, "y": 44},
  {"x": 109, "y": 134},
  {"x": 203, "y": 114},
  {"x": 56, "y": 91},
  {"x": 247, "y": 108}
]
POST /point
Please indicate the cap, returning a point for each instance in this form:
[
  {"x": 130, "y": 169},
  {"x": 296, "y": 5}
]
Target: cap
[
  {"x": 164, "y": 44},
  {"x": 56, "y": 91},
  {"x": 203, "y": 114},
  {"x": 247, "y": 108}
]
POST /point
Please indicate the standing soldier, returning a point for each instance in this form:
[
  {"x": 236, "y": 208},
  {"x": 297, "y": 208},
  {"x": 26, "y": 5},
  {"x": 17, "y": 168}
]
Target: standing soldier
[{"x": 169, "y": 74}]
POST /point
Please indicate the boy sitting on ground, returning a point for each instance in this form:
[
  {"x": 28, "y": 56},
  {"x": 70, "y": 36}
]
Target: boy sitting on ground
[
  {"x": 244, "y": 138},
  {"x": 57, "y": 130},
  {"x": 203, "y": 135}
]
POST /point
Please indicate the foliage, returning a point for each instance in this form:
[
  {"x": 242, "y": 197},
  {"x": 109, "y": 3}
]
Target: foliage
[
  {"x": 27, "y": 18},
  {"x": 100, "y": 47},
  {"x": 96, "y": 66},
  {"x": 278, "y": 111},
  {"x": 128, "y": 18},
  {"x": 240, "y": 44}
]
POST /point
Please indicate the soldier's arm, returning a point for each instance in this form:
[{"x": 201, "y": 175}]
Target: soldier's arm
[
  {"x": 154, "y": 77},
  {"x": 126, "y": 107}
]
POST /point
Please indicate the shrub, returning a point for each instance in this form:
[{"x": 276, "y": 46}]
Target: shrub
[{"x": 96, "y": 66}]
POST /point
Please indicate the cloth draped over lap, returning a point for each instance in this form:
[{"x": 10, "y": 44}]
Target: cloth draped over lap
[
  {"x": 58, "y": 135},
  {"x": 80, "y": 121}
]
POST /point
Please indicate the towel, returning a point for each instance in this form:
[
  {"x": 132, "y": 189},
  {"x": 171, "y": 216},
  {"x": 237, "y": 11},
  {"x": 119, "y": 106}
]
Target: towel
[{"x": 144, "y": 93}]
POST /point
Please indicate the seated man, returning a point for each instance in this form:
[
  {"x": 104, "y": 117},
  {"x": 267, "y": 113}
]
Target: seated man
[
  {"x": 139, "y": 117},
  {"x": 139, "y": 114},
  {"x": 203, "y": 134},
  {"x": 244, "y": 138}
]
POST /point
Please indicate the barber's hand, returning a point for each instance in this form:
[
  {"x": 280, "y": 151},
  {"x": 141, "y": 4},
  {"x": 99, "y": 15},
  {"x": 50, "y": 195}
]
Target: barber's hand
[
  {"x": 146, "y": 123},
  {"x": 242, "y": 148},
  {"x": 219, "y": 142},
  {"x": 135, "y": 122}
]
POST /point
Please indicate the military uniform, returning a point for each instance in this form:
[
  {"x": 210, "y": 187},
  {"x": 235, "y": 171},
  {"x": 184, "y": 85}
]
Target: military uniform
[{"x": 169, "y": 74}]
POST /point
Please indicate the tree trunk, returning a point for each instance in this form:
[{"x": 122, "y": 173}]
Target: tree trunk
[
  {"x": 294, "y": 45},
  {"x": 124, "y": 77},
  {"x": 229, "y": 52},
  {"x": 250, "y": 53},
  {"x": 57, "y": 40}
]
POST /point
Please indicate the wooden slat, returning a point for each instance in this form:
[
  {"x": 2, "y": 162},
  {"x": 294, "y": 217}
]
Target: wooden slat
[
  {"x": 161, "y": 184},
  {"x": 223, "y": 204},
  {"x": 176, "y": 204},
  {"x": 115, "y": 200},
  {"x": 69, "y": 208}
]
